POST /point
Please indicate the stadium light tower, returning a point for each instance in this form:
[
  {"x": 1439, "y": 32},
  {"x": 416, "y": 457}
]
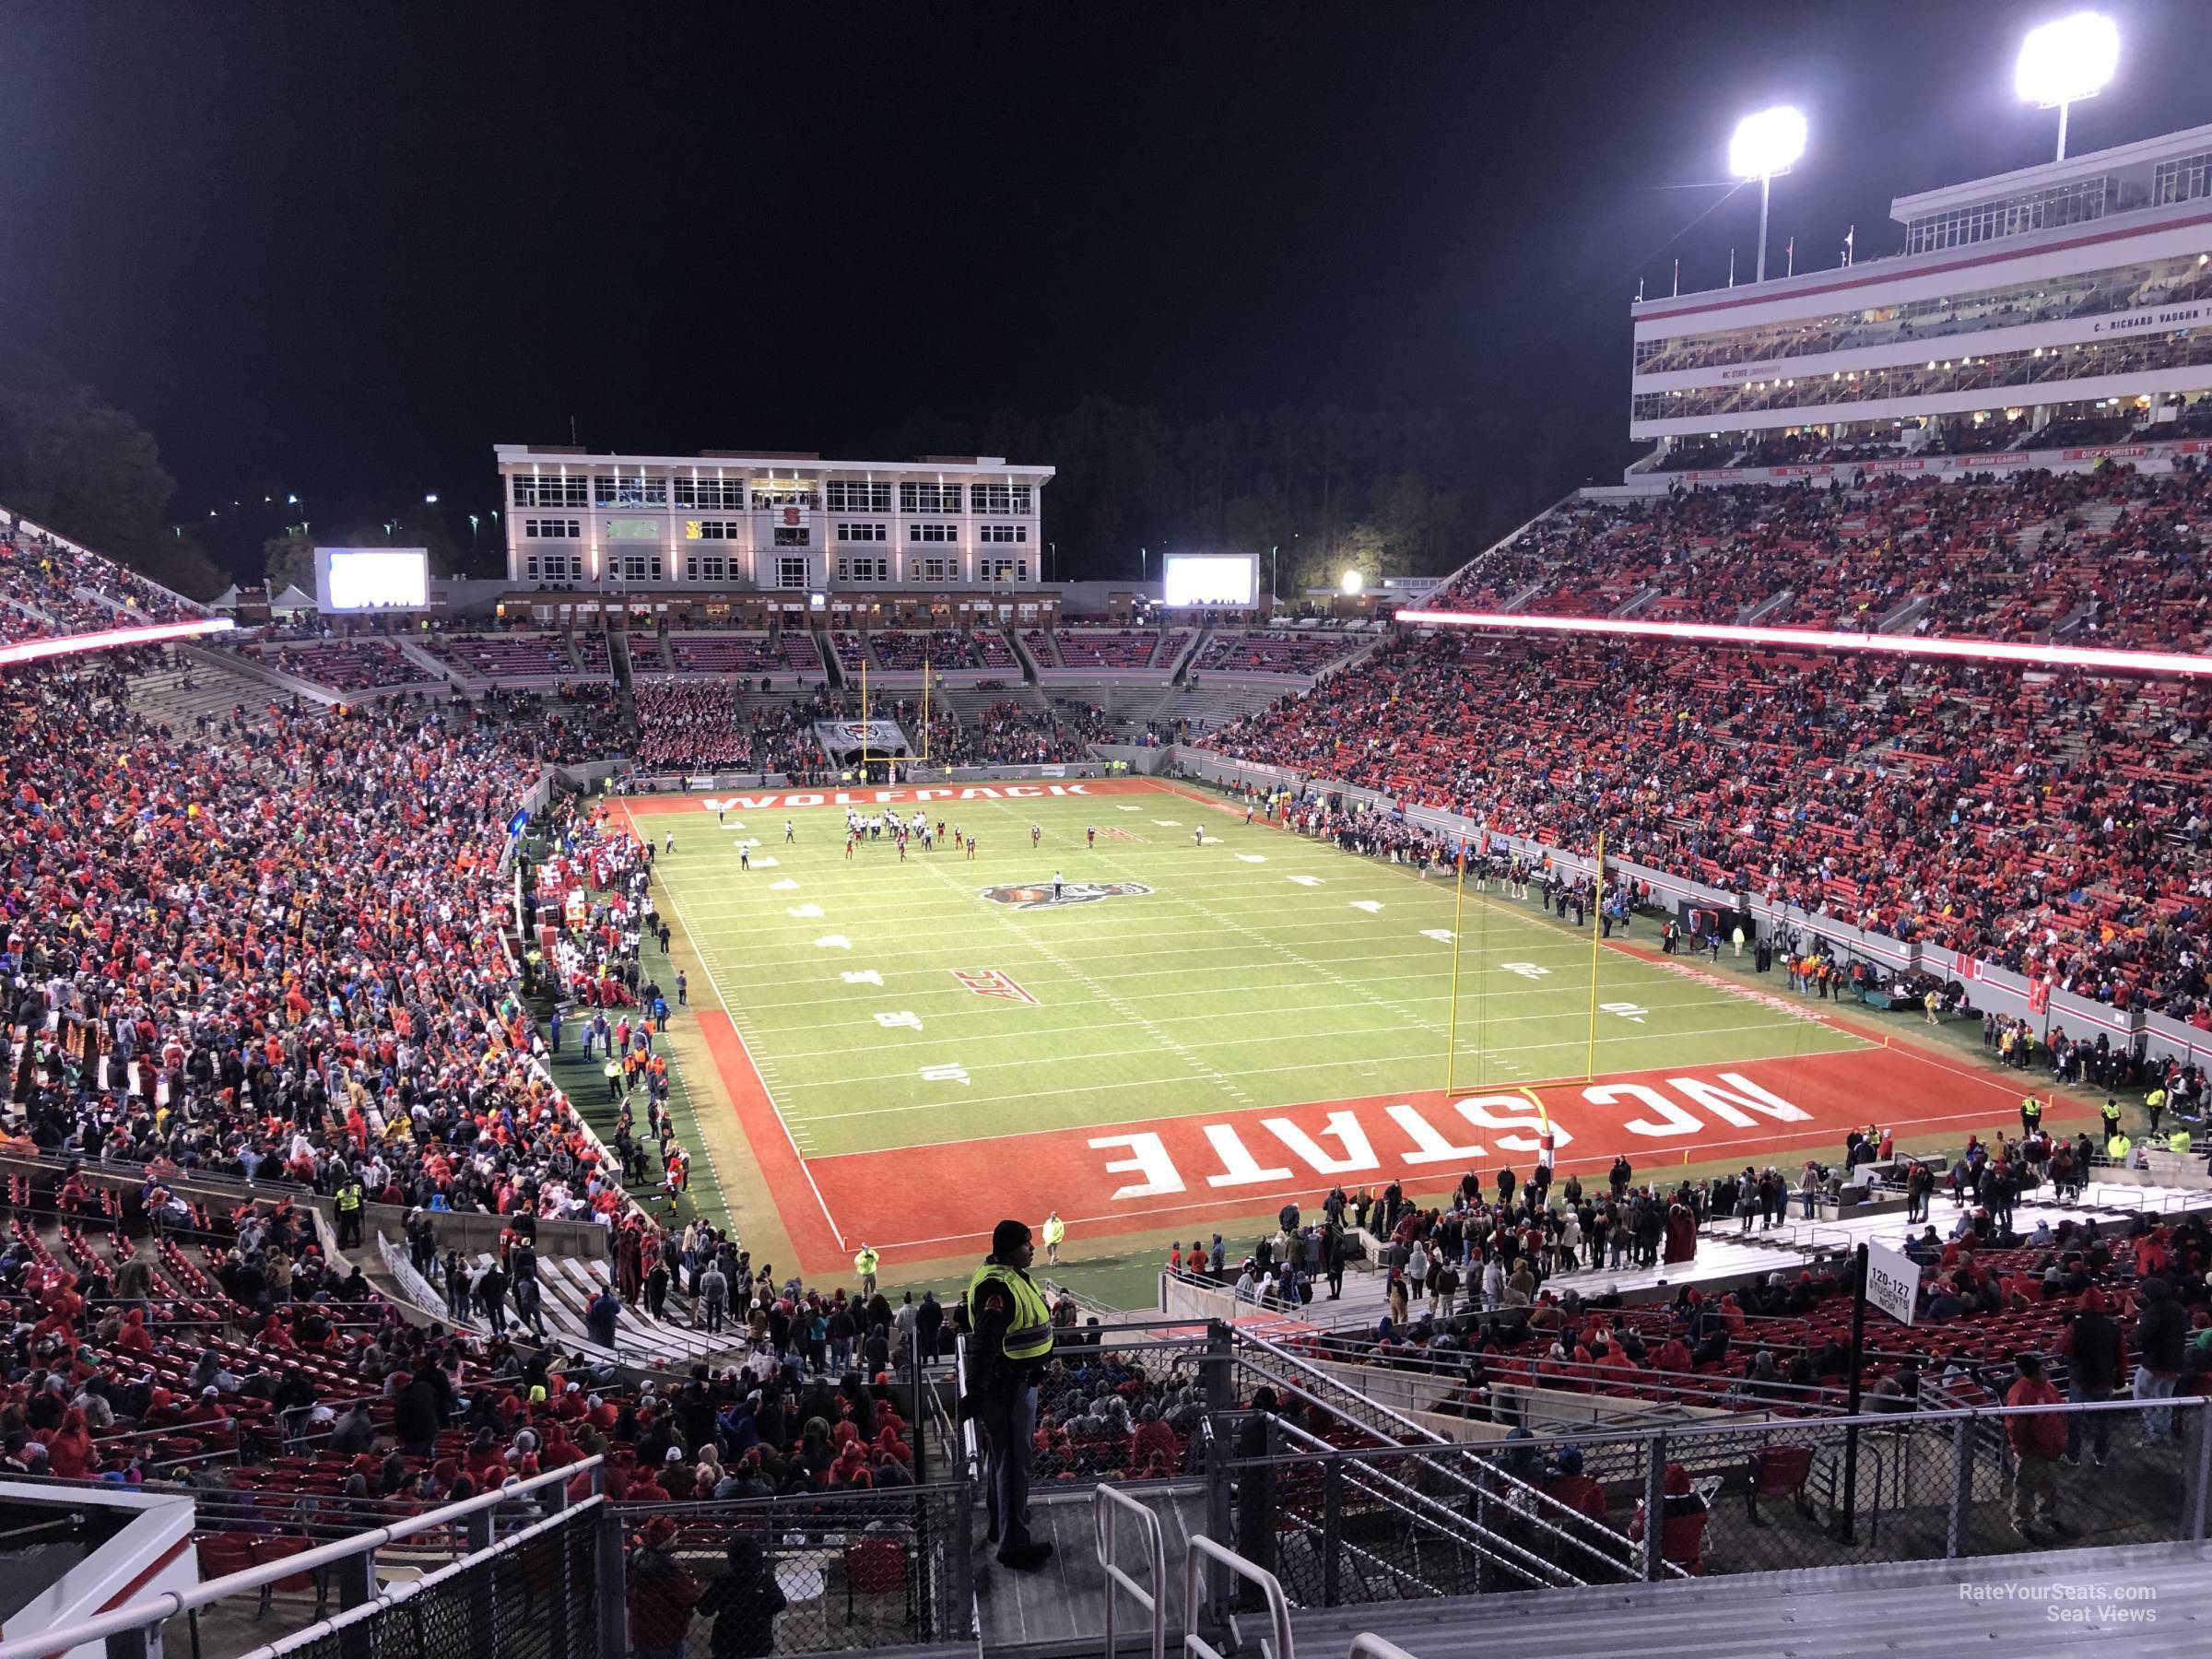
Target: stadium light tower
[
  {"x": 1765, "y": 145},
  {"x": 2063, "y": 63},
  {"x": 1352, "y": 584}
]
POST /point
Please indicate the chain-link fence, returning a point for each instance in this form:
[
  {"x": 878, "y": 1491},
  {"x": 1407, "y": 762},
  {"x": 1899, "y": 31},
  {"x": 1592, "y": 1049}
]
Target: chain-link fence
[
  {"x": 530, "y": 1597},
  {"x": 1342, "y": 1525},
  {"x": 814, "y": 1574}
]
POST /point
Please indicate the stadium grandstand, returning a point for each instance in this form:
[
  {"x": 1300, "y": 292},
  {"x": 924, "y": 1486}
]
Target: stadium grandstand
[{"x": 745, "y": 1103}]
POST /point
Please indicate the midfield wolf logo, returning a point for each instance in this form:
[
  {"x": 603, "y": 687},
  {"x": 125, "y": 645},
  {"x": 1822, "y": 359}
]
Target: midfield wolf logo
[{"x": 1038, "y": 895}]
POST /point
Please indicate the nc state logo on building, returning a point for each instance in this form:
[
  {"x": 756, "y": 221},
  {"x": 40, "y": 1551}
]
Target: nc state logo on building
[{"x": 791, "y": 515}]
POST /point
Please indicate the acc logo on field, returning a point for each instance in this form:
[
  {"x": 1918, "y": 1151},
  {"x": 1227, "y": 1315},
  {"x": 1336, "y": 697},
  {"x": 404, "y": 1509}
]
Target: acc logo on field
[
  {"x": 1038, "y": 895},
  {"x": 990, "y": 981}
]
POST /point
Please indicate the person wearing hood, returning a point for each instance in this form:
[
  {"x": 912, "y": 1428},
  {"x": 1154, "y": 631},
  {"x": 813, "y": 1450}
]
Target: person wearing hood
[
  {"x": 662, "y": 1594},
  {"x": 743, "y": 1603},
  {"x": 1683, "y": 1518},
  {"x": 69, "y": 1448},
  {"x": 354, "y": 1432},
  {"x": 2161, "y": 1331},
  {"x": 2090, "y": 1344}
]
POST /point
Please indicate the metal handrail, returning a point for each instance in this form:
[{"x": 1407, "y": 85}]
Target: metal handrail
[
  {"x": 403, "y": 1590},
  {"x": 1282, "y": 1356},
  {"x": 1104, "y": 1501},
  {"x": 1203, "y": 1548},
  {"x": 1416, "y": 1504},
  {"x": 160, "y": 1608},
  {"x": 1367, "y": 1645}
]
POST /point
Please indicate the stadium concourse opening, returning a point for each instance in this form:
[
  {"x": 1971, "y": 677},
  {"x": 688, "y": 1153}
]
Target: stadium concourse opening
[{"x": 1141, "y": 1006}]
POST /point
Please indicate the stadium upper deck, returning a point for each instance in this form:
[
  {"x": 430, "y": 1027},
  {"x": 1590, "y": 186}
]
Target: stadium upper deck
[{"x": 2070, "y": 302}]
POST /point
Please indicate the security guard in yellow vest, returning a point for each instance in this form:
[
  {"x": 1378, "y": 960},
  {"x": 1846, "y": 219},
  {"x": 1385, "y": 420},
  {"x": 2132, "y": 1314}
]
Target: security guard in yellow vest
[
  {"x": 1013, "y": 1338},
  {"x": 1055, "y": 1230},
  {"x": 2154, "y": 1103},
  {"x": 2031, "y": 1114},
  {"x": 349, "y": 1213},
  {"x": 863, "y": 1263}
]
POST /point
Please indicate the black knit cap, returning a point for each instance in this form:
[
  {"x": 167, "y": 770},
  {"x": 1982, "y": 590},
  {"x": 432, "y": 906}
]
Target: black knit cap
[{"x": 1008, "y": 1237}]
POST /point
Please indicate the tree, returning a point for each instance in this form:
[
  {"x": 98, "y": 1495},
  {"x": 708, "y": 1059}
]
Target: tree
[
  {"x": 74, "y": 462},
  {"x": 288, "y": 561}
]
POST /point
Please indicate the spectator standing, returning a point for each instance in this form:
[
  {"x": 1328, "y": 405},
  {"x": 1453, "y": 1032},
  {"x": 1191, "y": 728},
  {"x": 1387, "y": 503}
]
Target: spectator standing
[
  {"x": 662, "y": 1594},
  {"x": 2091, "y": 1346},
  {"x": 2038, "y": 1439}
]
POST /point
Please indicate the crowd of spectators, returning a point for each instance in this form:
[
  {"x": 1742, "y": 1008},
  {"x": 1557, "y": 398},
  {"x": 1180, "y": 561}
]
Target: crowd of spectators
[
  {"x": 278, "y": 950},
  {"x": 49, "y": 589},
  {"x": 1006, "y": 732},
  {"x": 1511, "y": 1287},
  {"x": 2053, "y": 823},
  {"x": 2113, "y": 554},
  {"x": 697, "y": 722}
]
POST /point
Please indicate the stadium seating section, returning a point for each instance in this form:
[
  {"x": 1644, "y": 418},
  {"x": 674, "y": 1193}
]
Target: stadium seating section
[
  {"x": 2114, "y": 557},
  {"x": 1111, "y": 650},
  {"x": 489, "y": 659},
  {"x": 2051, "y": 823},
  {"x": 348, "y": 664},
  {"x": 49, "y": 590},
  {"x": 1266, "y": 650},
  {"x": 743, "y": 655}
]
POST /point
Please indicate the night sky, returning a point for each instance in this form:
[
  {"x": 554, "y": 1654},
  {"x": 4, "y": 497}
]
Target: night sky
[{"x": 340, "y": 248}]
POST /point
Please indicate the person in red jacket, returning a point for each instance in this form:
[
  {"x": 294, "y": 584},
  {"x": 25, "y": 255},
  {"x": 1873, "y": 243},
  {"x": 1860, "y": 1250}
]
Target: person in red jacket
[
  {"x": 662, "y": 1594},
  {"x": 2038, "y": 1440},
  {"x": 69, "y": 1448}
]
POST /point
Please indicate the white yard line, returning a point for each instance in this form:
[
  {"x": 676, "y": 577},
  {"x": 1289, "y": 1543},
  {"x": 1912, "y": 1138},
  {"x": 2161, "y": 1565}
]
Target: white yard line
[
  {"x": 714, "y": 984},
  {"x": 1847, "y": 1045}
]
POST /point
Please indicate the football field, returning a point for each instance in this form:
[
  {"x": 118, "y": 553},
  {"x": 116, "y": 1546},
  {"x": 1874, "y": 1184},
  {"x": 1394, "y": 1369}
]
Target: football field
[{"x": 1208, "y": 1017}]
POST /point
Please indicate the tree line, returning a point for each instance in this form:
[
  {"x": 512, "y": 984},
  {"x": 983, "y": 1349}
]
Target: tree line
[{"x": 1327, "y": 489}]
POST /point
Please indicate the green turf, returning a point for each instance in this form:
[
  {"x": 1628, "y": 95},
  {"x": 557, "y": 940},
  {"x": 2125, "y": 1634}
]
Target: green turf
[
  {"x": 1230, "y": 985},
  {"x": 586, "y": 1087}
]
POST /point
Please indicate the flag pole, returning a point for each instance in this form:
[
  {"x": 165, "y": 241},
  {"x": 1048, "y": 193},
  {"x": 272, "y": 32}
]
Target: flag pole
[
  {"x": 1452, "y": 1022},
  {"x": 863, "y": 710},
  {"x": 1597, "y": 896},
  {"x": 926, "y": 705}
]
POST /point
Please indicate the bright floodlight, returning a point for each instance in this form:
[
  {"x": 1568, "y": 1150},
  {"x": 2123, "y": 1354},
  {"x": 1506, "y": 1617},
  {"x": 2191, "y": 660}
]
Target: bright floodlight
[
  {"x": 2065, "y": 62},
  {"x": 1767, "y": 144},
  {"x": 1352, "y": 583}
]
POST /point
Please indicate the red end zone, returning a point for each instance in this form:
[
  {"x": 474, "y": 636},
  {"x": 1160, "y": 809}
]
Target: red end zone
[
  {"x": 1198, "y": 1169},
  {"x": 792, "y": 800}
]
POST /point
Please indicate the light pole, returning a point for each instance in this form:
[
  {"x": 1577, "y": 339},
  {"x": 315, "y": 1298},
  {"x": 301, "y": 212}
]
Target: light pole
[
  {"x": 1053, "y": 548},
  {"x": 1272, "y": 601},
  {"x": 2063, "y": 63},
  {"x": 1765, "y": 145},
  {"x": 1144, "y": 564}
]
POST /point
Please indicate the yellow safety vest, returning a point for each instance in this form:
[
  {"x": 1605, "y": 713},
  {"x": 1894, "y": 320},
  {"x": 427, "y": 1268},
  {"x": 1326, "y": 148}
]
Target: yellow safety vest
[
  {"x": 1030, "y": 1336},
  {"x": 349, "y": 1197},
  {"x": 864, "y": 1262},
  {"x": 2031, "y": 1108},
  {"x": 1056, "y": 1230}
]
